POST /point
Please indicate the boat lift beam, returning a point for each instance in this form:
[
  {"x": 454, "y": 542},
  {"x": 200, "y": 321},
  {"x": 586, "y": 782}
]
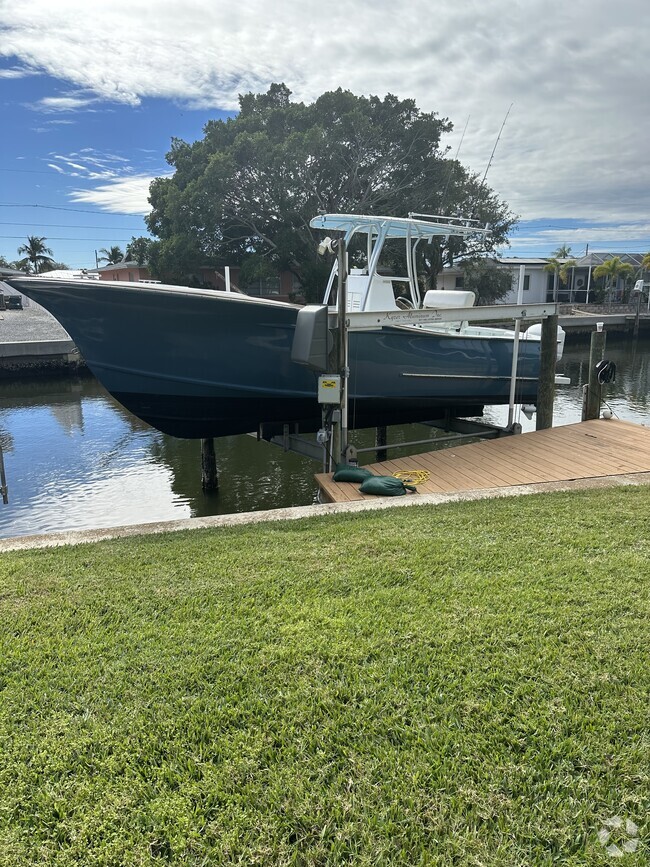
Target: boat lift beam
[{"x": 371, "y": 320}]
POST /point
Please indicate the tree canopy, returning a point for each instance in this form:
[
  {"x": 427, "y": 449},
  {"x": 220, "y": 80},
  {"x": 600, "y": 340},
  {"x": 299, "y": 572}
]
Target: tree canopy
[
  {"x": 250, "y": 186},
  {"x": 484, "y": 277},
  {"x": 139, "y": 250}
]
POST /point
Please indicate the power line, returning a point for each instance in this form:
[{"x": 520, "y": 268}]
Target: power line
[
  {"x": 28, "y": 171},
  {"x": 75, "y": 226},
  {"x": 55, "y": 238},
  {"x": 75, "y": 210}
]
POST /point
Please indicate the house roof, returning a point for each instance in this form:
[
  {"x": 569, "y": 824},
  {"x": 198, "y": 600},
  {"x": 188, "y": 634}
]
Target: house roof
[
  {"x": 516, "y": 260},
  {"x": 594, "y": 259}
]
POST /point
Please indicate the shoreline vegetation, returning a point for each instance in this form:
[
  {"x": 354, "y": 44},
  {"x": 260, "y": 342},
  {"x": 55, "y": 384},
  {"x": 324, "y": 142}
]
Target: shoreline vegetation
[{"x": 463, "y": 684}]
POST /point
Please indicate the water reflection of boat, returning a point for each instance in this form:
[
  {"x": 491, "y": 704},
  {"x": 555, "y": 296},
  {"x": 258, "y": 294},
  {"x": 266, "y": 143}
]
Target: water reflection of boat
[{"x": 199, "y": 363}]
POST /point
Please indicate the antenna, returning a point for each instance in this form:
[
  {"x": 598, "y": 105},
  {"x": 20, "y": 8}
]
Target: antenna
[
  {"x": 496, "y": 143},
  {"x": 451, "y": 167}
]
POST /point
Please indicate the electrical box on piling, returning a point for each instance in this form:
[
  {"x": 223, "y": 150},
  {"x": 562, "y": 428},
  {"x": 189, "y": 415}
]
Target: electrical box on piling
[{"x": 329, "y": 389}]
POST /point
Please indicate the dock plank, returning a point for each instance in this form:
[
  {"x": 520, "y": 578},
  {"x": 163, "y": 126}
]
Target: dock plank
[{"x": 591, "y": 449}]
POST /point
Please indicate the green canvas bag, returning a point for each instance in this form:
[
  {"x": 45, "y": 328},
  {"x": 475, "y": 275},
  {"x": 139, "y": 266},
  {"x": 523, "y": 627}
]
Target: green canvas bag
[{"x": 386, "y": 486}]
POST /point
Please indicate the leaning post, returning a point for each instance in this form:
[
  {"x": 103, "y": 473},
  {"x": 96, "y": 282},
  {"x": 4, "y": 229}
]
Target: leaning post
[
  {"x": 591, "y": 404},
  {"x": 209, "y": 475},
  {"x": 547, "y": 362}
]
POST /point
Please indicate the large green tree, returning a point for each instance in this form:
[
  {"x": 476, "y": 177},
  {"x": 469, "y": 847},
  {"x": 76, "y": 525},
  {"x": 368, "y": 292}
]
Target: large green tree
[
  {"x": 139, "y": 250},
  {"x": 37, "y": 257},
  {"x": 250, "y": 186},
  {"x": 483, "y": 276}
]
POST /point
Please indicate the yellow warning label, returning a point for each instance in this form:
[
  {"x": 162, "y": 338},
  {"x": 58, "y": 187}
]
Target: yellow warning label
[{"x": 329, "y": 383}]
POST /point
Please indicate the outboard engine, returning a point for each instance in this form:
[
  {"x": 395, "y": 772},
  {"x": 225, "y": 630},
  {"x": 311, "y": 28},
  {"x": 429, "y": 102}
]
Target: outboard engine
[{"x": 536, "y": 331}]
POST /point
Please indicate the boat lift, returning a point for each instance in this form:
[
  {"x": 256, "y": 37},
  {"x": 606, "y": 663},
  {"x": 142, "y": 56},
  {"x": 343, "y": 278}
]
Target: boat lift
[
  {"x": 317, "y": 324},
  {"x": 311, "y": 348}
]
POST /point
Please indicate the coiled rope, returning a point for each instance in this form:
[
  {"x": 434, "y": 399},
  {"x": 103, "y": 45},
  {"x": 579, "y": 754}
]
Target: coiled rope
[{"x": 415, "y": 477}]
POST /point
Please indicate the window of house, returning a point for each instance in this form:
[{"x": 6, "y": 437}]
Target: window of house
[
  {"x": 526, "y": 282},
  {"x": 268, "y": 286},
  {"x": 130, "y": 276},
  {"x": 460, "y": 281}
]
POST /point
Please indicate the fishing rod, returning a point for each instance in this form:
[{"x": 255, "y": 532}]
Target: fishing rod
[
  {"x": 496, "y": 144},
  {"x": 451, "y": 166}
]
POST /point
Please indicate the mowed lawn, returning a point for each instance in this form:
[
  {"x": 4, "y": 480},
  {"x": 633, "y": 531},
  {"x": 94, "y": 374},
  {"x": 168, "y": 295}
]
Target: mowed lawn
[{"x": 457, "y": 685}]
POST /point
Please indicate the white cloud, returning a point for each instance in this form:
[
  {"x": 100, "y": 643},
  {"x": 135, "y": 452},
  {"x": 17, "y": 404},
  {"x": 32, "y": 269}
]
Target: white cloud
[
  {"x": 17, "y": 72},
  {"x": 574, "y": 145},
  {"x": 598, "y": 236},
  {"x": 119, "y": 196},
  {"x": 92, "y": 164},
  {"x": 53, "y": 104}
]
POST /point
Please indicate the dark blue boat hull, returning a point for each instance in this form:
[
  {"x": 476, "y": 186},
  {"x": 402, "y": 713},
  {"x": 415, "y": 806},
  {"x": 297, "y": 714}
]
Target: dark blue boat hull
[{"x": 195, "y": 363}]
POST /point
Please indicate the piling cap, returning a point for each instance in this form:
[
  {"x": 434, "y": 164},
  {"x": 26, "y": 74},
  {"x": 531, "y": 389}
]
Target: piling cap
[{"x": 599, "y": 326}]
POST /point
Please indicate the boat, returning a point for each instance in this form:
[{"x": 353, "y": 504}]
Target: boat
[{"x": 197, "y": 363}]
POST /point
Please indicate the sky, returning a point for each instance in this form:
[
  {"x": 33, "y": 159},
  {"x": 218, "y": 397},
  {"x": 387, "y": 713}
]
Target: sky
[{"x": 92, "y": 94}]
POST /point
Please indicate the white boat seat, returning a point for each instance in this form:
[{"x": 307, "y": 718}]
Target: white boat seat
[{"x": 449, "y": 298}]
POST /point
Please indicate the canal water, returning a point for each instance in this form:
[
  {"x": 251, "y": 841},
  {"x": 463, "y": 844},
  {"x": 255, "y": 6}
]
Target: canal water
[{"x": 75, "y": 459}]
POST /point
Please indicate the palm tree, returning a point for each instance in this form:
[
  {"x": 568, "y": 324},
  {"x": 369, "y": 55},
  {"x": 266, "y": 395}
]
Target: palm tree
[
  {"x": 560, "y": 269},
  {"x": 112, "y": 256},
  {"x": 38, "y": 257},
  {"x": 611, "y": 270},
  {"x": 562, "y": 252}
]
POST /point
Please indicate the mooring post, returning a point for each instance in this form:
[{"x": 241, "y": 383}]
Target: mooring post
[
  {"x": 591, "y": 404},
  {"x": 381, "y": 438},
  {"x": 547, "y": 362},
  {"x": 209, "y": 475},
  {"x": 635, "y": 333}
]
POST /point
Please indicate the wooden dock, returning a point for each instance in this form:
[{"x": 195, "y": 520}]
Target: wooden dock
[{"x": 587, "y": 450}]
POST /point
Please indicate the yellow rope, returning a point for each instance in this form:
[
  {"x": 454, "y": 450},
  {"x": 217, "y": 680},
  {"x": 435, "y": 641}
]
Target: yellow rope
[{"x": 415, "y": 477}]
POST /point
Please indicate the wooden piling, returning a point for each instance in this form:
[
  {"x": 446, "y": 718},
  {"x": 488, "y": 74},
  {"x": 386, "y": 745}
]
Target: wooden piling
[
  {"x": 591, "y": 406},
  {"x": 209, "y": 475},
  {"x": 547, "y": 362}
]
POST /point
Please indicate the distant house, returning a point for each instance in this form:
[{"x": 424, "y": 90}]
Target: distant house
[
  {"x": 539, "y": 284},
  {"x": 71, "y": 274},
  {"x": 281, "y": 287},
  {"x": 581, "y": 286},
  {"x": 129, "y": 272},
  {"x": 536, "y": 279}
]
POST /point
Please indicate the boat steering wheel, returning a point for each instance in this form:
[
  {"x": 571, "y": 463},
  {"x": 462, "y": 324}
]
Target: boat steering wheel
[{"x": 404, "y": 303}]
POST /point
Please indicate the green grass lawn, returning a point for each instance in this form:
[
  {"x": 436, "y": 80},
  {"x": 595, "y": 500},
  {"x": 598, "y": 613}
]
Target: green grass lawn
[{"x": 458, "y": 685}]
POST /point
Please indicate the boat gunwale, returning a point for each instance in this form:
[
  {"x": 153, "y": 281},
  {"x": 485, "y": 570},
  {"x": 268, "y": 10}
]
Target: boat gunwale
[{"x": 44, "y": 283}]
